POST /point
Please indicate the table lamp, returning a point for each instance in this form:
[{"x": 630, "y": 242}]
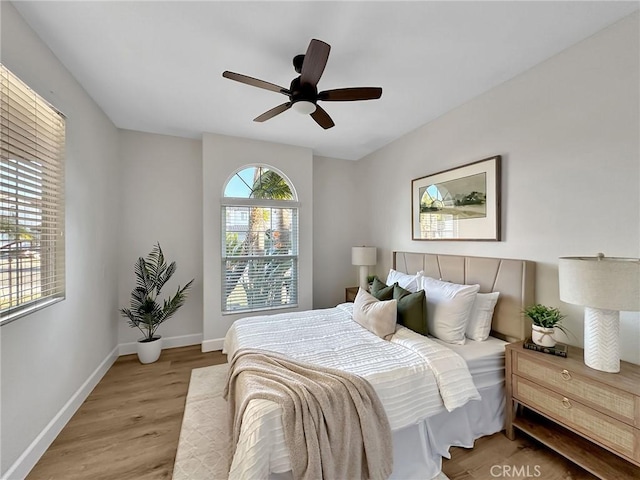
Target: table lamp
[
  {"x": 363, "y": 257},
  {"x": 605, "y": 286}
]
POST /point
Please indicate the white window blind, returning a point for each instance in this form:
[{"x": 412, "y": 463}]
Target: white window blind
[
  {"x": 32, "y": 266},
  {"x": 260, "y": 257}
]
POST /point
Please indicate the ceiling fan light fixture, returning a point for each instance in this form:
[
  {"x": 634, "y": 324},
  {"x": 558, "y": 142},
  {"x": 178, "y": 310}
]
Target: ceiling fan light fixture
[
  {"x": 304, "y": 107},
  {"x": 303, "y": 91}
]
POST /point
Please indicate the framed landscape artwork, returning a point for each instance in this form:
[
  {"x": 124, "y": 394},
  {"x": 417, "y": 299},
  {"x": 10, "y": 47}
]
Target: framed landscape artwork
[{"x": 462, "y": 203}]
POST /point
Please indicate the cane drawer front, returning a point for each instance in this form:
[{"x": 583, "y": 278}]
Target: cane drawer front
[
  {"x": 614, "y": 402},
  {"x": 609, "y": 432}
]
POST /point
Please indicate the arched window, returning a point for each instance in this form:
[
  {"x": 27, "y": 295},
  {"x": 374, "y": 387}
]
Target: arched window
[{"x": 259, "y": 241}]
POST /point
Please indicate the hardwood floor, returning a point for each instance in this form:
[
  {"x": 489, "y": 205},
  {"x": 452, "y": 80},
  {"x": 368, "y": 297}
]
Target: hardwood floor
[
  {"x": 128, "y": 428},
  {"x": 496, "y": 456}
]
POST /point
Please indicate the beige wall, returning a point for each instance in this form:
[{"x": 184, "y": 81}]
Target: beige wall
[
  {"x": 161, "y": 201},
  {"x": 222, "y": 156},
  {"x": 568, "y": 132},
  {"x": 338, "y": 224},
  {"x": 47, "y": 356}
]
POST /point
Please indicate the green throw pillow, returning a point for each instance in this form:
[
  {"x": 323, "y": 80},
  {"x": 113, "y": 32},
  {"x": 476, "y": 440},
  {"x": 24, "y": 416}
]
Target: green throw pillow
[
  {"x": 380, "y": 290},
  {"x": 412, "y": 309}
]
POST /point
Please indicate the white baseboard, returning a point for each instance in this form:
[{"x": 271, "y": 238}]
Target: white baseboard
[
  {"x": 23, "y": 465},
  {"x": 167, "y": 342},
  {"x": 212, "y": 345}
]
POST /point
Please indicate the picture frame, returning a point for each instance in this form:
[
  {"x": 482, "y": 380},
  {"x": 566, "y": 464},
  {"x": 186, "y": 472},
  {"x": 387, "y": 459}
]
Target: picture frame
[{"x": 462, "y": 203}]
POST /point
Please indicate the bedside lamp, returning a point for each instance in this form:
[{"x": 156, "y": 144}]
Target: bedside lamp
[
  {"x": 605, "y": 286},
  {"x": 363, "y": 257}
]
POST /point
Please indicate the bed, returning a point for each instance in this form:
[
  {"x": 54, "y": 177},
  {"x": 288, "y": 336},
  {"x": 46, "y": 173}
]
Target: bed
[{"x": 428, "y": 411}]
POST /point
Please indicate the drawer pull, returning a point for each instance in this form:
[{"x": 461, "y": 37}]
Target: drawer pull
[
  {"x": 566, "y": 403},
  {"x": 565, "y": 374}
]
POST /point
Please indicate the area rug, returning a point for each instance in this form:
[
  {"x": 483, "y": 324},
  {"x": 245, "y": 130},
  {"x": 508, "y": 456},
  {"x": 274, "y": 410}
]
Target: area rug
[{"x": 203, "y": 448}]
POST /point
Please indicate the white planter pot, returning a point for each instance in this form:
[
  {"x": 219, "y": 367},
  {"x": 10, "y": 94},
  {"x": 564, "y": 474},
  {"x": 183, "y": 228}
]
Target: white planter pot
[
  {"x": 543, "y": 336},
  {"x": 149, "y": 352}
]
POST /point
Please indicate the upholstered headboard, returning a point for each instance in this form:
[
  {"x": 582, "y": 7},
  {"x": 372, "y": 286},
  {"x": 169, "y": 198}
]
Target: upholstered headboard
[{"x": 514, "y": 279}]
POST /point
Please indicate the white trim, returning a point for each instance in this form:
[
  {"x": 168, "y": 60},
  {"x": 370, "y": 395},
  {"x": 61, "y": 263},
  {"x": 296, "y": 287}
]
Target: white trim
[
  {"x": 260, "y": 165},
  {"x": 23, "y": 465},
  {"x": 23, "y": 310},
  {"x": 167, "y": 342},
  {"x": 258, "y": 202},
  {"x": 212, "y": 345}
]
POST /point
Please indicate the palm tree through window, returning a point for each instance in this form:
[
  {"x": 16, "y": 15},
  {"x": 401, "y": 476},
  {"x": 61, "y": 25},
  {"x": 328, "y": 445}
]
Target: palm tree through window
[{"x": 260, "y": 241}]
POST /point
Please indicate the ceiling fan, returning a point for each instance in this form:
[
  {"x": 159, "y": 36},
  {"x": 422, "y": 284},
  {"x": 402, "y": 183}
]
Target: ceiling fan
[{"x": 303, "y": 92}]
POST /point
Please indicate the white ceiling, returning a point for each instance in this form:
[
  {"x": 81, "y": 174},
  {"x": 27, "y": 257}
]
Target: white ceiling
[{"x": 157, "y": 66}]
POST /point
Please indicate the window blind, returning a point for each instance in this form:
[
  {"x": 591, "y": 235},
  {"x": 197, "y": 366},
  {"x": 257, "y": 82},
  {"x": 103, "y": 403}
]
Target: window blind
[
  {"x": 260, "y": 257},
  {"x": 32, "y": 149}
]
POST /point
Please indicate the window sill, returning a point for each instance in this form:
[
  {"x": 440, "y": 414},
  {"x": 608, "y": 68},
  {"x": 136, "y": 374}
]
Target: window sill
[{"x": 28, "y": 310}]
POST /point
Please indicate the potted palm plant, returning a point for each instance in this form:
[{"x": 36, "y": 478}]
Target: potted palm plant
[
  {"x": 146, "y": 314},
  {"x": 545, "y": 320}
]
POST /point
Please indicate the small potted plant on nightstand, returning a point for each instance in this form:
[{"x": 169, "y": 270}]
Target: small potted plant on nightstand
[
  {"x": 146, "y": 314},
  {"x": 545, "y": 320}
]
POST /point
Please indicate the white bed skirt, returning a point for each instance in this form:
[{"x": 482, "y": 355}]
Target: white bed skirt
[{"x": 418, "y": 449}]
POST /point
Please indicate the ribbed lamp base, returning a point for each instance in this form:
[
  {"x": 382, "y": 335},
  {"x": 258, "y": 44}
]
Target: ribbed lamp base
[{"x": 602, "y": 339}]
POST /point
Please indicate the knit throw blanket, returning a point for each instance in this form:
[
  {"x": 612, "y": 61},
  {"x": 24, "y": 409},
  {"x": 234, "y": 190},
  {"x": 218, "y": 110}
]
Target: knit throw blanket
[{"x": 335, "y": 426}]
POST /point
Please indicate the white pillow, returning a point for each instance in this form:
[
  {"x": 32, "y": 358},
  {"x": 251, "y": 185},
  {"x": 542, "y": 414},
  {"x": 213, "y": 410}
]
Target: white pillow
[
  {"x": 377, "y": 316},
  {"x": 406, "y": 281},
  {"x": 479, "y": 325},
  {"x": 448, "y": 308}
]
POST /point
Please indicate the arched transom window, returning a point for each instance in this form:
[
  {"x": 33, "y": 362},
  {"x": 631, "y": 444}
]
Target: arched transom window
[{"x": 259, "y": 241}]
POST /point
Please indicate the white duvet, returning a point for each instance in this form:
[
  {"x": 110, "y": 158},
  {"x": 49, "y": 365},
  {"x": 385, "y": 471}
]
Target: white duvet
[{"x": 414, "y": 376}]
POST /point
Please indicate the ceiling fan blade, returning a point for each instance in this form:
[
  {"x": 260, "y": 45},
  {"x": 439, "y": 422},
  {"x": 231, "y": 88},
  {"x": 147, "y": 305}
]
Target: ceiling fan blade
[
  {"x": 314, "y": 62},
  {"x": 350, "y": 94},
  {"x": 254, "y": 82},
  {"x": 322, "y": 118},
  {"x": 273, "y": 112}
]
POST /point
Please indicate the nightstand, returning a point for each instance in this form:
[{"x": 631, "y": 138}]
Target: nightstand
[
  {"x": 350, "y": 294},
  {"x": 590, "y": 417}
]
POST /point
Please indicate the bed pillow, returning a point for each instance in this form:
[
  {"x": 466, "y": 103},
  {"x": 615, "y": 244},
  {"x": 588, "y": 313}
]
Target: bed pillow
[
  {"x": 406, "y": 281},
  {"x": 377, "y": 316},
  {"x": 479, "y": 325},
  {"x": 380, "y": 290},
  {"x": 448, "y": 308},
  {"x": 412, "y": 309}
]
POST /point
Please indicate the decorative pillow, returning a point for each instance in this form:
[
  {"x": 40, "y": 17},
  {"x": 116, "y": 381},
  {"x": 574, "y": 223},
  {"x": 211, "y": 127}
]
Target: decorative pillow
[
  {"x": 377, "y": 316},
  {"x": 479, "y": 325},
  {"x": 448, "y": 308},
  {"x": 408, "y": 282},
  {"x": 412, "y": 309},
  {"x": 380, "y": 290}
]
